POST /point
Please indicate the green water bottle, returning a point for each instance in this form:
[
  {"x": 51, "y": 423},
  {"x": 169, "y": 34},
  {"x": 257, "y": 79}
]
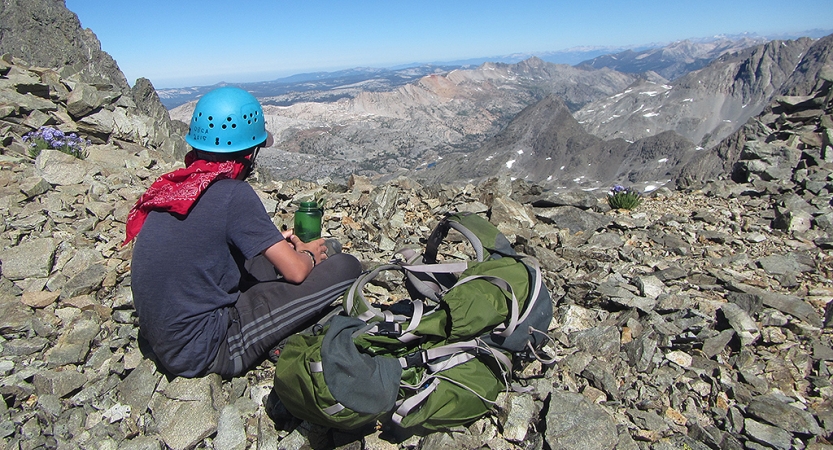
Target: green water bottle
[{"x": 308, "y": 221}]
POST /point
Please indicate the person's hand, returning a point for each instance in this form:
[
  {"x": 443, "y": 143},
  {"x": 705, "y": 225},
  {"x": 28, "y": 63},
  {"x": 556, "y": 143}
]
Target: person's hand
[
  {"x": 287, "y": 234},
  {"x": 316, "y": 247}
]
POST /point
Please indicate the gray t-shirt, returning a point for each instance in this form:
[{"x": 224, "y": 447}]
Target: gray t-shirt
[{"x": 186, "y": 272}]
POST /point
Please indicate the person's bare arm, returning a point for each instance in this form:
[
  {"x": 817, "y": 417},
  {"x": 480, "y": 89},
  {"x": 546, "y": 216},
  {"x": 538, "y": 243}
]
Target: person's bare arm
[{"x": 291, "y": 259}]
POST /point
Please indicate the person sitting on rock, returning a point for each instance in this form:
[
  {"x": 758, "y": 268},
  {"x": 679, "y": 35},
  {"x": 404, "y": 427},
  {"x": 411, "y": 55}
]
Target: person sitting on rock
[{"x": 215, "y": 284}]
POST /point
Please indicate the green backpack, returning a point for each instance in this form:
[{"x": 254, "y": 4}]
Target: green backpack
[{"x": 431, "y": 363}]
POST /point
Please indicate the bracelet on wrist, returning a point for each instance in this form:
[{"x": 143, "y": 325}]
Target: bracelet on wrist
[{"x": 311, "y": 256}]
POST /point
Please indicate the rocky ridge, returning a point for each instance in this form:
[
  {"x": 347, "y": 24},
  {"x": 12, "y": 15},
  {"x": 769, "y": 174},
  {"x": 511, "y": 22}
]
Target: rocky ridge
[
  {"x": 53, "y": 58},
  {"x": 706, "y": 105},
  {"x": 796, "y": 122},
  {"x": 545, "y": 144},
  {"x": 700, "y": 320},
  {"x": 673, "y": 60}
]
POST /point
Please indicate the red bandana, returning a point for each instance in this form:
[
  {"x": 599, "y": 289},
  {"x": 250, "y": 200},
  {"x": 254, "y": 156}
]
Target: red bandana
[{"x": 177, "y": 191}]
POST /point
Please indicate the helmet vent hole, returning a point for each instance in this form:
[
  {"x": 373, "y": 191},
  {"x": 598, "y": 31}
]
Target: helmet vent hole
[
  {"x": 228, "y": 143},
  {"x": 217, "y": 141},
  {"x": 234, "y": 125},
  {"x": 210, "y": 125},
  {"x": 224, "y": 126},
  {"x": 255, "y": 119},
  {"x": 210, "y": 118},
  {"x": 244, "y": 116},
  {"x": 250, "y": 122},
  {"x": 228, "y": 119}
]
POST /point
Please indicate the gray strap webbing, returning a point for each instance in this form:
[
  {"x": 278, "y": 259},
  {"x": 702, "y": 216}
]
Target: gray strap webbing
[
  {"x": 410, "y": 254},
  {"x": 365, "y": 316},
  {"x": 475, "y": 242},
  {"x": 316, "y": 367},
  {"x": 538, "y": 282},
  {"x": 370, "y": 328},
  {"x": 454, "y": 361},
  {"x": 450, "y": 349},
  {"x": 416, "y": 319},
  {"x": 431, "y": 288},
  {"x": 534, "y": 352},
  {"x": 449, "y": 267},
  {"x": 371, "y": 312},
  {"x": 474, "y": 346},
  {"x": 408, "y": 405},
  {"x": 358, "y": 286},
  {"x": 335, "y": 409}
]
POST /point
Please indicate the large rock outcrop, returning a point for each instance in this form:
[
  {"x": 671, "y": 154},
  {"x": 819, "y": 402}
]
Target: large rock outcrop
[
  {"x": 47, "y": 37},
  {"x": 45, "y": 33},
  {"x": 33, "y": 97}
]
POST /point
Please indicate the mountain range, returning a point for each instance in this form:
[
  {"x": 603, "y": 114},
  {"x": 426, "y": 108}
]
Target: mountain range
[
  {"x": 417, "y": 124},
  {"x": 670, "y": 60},
  {"x": 547, "y": 123},
  {"x": 650, "y": 134}
]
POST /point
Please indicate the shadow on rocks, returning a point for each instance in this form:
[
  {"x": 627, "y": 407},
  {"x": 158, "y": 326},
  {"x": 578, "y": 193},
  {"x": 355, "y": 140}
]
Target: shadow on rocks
[{"x": 285, "y": 421}]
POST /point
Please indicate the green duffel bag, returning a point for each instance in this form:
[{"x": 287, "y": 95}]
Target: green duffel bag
[{"x": 325, "y": 379}]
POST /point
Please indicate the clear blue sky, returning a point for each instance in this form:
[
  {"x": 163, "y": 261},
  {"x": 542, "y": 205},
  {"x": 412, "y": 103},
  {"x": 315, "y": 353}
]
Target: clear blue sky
[{"x": 177, "y": 43}]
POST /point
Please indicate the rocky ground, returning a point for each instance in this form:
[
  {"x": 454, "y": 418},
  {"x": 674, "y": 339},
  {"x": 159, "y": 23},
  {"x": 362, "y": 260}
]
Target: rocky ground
[
  {"x": 701, "y": 319},
  {"x": 696, "y": 320}
]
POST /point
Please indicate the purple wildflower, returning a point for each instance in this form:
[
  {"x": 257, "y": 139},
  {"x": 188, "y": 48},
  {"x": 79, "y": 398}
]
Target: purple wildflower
[{"x": 48, "y": 137}]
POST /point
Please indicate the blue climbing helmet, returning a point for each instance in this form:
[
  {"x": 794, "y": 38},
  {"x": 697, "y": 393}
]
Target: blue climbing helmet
[{"x": 227, "y": 120}]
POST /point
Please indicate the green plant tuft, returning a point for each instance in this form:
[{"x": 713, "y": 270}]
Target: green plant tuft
[{"x": 621, "y": 197}]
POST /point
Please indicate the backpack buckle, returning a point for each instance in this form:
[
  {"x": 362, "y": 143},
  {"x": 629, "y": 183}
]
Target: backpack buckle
[
  {"x": 390, "y": 329},
  {"x": 417, "y": 358}
]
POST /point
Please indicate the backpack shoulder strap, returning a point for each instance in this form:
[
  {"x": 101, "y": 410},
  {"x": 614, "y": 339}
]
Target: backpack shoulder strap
[
  {"x": 423, "y": 277},
  {"x": 469, "y": 225},
  {"x": 484, "y": 237},
  {"x": 357, "y": 305}
]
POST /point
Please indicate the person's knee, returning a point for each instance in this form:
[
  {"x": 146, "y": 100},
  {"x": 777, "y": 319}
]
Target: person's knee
[{"x": 345, "y": 265}]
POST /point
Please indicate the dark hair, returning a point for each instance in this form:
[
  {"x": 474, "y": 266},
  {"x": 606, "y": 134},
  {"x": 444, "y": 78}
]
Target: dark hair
[{"x": 219, "y": 157}]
